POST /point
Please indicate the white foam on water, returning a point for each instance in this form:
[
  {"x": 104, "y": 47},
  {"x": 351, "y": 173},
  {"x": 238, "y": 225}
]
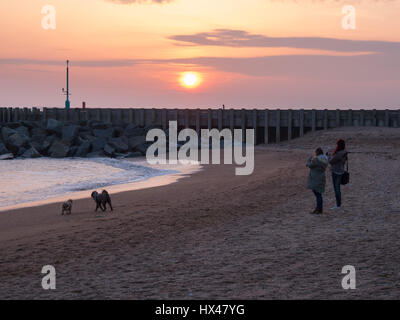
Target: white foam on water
[{"x": 31, "y": 180}]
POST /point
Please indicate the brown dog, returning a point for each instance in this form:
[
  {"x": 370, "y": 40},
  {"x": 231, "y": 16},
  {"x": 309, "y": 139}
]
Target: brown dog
[{"x": 66, "y": 207}]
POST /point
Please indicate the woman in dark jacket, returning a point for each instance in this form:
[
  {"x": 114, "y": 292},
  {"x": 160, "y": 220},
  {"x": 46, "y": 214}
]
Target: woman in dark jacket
[
  {"x": 317, "y": 180},
  {"x": 338, "y": 160}
]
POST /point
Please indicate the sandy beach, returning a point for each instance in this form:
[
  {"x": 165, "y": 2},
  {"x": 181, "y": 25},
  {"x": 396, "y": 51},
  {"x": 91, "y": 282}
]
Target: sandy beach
[{"x": 214, "y": 235}]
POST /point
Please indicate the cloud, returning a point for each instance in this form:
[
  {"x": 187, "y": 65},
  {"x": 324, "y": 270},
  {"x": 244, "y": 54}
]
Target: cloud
[
  {"x": 380, "y": 64},
  {"x": 334, "y": 1},
  {"x": 139, "y": 1},
  {"x": 363, "y": 67},
  {"x": 241, "y": 39},
  {"x": 359, "y": 68},
  {"x": 77, "y": 63}
]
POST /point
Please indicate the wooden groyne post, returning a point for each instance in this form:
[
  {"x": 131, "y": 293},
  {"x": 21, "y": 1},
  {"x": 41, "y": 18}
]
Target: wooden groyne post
[{"x": 270, "y": 125}]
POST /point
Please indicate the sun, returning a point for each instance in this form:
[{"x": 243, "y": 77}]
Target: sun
[{"x": 190, "y": 79}]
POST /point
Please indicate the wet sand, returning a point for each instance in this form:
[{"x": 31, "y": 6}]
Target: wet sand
[{"x": 215, "y": 235}]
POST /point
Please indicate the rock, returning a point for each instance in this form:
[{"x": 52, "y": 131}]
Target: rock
[
  {"x": 134, "y": 154},
  {"x": 99, "y": 125},
  {"x": 58, "y": 139},
  {"x": 109, "y": 150},
  {"x": 13, "y": 125},
  {"x": 23, "y": 131},
  {"x": 83, "y": 149},
  {"x": 16, "y": 141},
  {"x": 31, "y": 153},
  {"x": 96, "y": 154},
  {"x": 84, "y": 124},
  {"x": 38, "y": 146},
  {"x": 118, "y": 145},
  {"x": 47, "y": 142},
  {"x": 119, "y": 131},
  {"x": 119, "y": 123},
  {"x": 132, "y": 130},
  {"x": 58, "y": 150},
  {"x": 134, "y": 142},
  {"x": 86, "y": 136},
  {"x": 3, "y": 149},
  {"x": 104, "y": 133},
  {"x": 120, "y": 155},
  {"x": 79, "y": 141},
  {"x": 20, "y": 152},
  {"x": 54, "y": 126},
  {"x": 6, "y": 132},
  {"x": 70, "y": 133},
  {"x": 98, "y": 144},
  {"x": 85, "y": 131},
  {"x": 38, "y": 132},
  {"x": 72, "y": 151},
  {"x": 142, "y": 148},
  {"x": 7, "y": 156},
  {"x": 38, "y": 138},
  {"x": 67, "y": 143},
  {"x": 30, "y": 124},
  {"x": 124, "y": 139}
]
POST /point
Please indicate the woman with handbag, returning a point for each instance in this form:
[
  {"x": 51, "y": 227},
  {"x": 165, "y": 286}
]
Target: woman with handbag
[{"x": 339, "y": 175}]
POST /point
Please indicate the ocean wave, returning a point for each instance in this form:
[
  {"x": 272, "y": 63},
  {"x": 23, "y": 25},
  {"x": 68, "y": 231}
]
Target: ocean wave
[{"x": 39, "y": 179}]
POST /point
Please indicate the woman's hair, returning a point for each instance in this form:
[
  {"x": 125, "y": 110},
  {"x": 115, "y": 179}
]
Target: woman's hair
[
  {"x": 319, "y": 151},
  {"x": 340, "y": 145}
]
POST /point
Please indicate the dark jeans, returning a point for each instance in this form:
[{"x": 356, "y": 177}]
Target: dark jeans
[
  {"x": 319, "y": 200},
  {"x": 336, "y": 179}
]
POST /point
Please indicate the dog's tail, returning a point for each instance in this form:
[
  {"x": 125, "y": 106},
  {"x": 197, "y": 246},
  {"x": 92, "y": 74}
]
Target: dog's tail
[{"x": 108, "y": 198}]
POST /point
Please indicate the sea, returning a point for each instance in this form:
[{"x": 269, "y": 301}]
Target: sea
[{"x": 29, "y": 180}]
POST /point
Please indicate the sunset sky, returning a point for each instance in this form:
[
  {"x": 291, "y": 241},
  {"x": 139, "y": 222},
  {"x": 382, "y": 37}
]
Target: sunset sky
[{"x": 246, "y": 53}]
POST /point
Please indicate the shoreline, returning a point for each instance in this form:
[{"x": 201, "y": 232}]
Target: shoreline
[{"x": 178, "y": 171}]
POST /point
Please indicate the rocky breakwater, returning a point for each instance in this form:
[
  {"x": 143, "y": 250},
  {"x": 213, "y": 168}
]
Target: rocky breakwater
[{"x": 56, "y": 139}]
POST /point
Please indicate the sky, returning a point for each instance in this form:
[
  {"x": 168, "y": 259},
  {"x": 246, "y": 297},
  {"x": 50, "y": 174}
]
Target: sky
[{"x": 245, "y": 53}]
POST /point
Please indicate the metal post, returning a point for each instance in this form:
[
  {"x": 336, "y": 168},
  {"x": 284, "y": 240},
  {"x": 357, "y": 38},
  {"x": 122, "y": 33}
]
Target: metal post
[{"x": 67, "y": 102}]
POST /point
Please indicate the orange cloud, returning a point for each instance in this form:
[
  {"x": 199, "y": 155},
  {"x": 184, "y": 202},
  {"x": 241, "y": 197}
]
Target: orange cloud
[{"x": 139, "y": 1}]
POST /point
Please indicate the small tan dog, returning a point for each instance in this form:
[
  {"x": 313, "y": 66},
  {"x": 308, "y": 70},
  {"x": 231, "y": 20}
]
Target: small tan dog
[{"x": 66, "y": 207}]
